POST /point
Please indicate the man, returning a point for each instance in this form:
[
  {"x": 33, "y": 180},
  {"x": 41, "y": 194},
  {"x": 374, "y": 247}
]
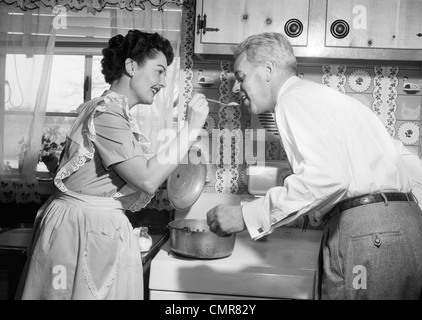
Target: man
[{"x": 347, "y": 171}]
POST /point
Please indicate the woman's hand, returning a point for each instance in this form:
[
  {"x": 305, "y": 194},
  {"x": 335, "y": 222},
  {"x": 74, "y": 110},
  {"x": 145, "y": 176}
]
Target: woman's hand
[
  {"x": 136, "y": 171},
  {"x": 197, "y": 111}
]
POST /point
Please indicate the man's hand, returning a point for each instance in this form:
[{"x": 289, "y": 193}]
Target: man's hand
[{"x": 224, "y": 220}]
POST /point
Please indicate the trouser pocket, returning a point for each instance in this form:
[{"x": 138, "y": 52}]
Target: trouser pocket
[{"x": 378, "y": 266}]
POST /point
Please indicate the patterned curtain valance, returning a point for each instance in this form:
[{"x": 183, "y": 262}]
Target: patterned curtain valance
[{"x": 93, "y": 5}]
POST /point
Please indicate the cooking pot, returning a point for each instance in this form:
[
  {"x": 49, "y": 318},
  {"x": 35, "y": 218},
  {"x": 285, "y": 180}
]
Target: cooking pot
[{"x": 192, "y": 238}]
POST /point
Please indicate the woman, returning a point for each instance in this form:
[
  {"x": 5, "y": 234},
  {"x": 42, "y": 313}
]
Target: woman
[{"x": 84, "y": 246}]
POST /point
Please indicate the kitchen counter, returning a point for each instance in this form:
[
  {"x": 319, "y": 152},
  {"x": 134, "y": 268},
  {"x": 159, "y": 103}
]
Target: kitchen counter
[
  {"x": 13, "y": 251},
  {"x": 157, "y": 241},
  {"x": 284, "y": 266},
  {"x": 14, "y": 242}
]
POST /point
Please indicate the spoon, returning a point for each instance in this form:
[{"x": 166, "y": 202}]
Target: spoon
[{"x": 230, "y": 104}]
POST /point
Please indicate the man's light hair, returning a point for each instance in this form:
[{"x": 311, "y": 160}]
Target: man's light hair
[{"x": 268, "y": 46}]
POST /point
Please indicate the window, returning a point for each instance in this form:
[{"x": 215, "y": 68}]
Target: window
[
  {"x": 74, "y": 79},
  {"x": 76, "y": 67}
]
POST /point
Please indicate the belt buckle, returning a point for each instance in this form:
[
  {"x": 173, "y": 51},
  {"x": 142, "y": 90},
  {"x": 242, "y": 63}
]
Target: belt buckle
[{"x": 367, "y": 199}]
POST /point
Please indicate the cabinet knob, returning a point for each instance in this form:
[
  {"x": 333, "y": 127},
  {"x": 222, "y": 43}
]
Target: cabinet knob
[
  {"x": 339, "y": 29},
  {"x": 293, "y": 28}
]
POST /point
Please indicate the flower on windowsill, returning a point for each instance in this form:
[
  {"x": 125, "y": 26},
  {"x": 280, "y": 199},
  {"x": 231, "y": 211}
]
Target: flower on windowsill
[
  {"x": 49, "y": 152},
  {"x": 49, "y": 149}
]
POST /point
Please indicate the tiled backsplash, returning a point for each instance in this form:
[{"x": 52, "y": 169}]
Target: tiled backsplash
[{"x": 382, "y": 88}]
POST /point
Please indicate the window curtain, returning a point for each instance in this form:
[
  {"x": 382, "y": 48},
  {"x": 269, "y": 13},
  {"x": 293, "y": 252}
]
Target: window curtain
[
  {"x": 153, "y": 118},
  {"x": 34, "y": 35},
  {"x": 29, "y": 53}
]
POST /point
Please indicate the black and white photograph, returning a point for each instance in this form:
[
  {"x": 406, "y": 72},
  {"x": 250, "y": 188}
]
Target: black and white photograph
[{"x": 211, "y": 157}]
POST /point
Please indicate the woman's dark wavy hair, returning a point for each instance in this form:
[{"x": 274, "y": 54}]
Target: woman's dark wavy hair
[{"x": 137, "y": 45}]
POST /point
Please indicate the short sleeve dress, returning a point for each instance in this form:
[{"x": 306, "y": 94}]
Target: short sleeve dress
[
  {"x": 109, "y": 135},
  {"x": 84, "y": 246}
]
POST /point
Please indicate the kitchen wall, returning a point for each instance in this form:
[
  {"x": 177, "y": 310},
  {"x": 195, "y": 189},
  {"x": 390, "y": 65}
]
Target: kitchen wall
[
  {"x": 382, "y": 88},
  {"x": 391, "y": 89}
]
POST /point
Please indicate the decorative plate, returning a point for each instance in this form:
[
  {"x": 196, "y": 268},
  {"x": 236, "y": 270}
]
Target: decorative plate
[
  {"x": 359, "y": 81},
  {"x": 408, "y": 133}
]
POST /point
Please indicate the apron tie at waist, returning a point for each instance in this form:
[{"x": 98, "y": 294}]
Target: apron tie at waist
[{"x": 89, "y": 201}]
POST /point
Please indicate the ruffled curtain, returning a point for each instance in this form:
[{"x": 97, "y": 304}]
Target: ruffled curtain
[
  {"x": 37, "y": 42},
  {"x": 30, "y": 55},
  {"x": 96, "y": 5}
]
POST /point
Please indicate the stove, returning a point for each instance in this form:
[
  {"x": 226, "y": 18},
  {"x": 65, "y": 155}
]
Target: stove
[{"x": 284, "y": 266}]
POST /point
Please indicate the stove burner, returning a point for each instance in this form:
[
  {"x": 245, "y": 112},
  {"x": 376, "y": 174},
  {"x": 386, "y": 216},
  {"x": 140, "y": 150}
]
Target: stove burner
[{"x": 174, "y": 255}]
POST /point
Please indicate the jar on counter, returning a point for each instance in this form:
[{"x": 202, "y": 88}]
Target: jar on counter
[{"x": 145, "y": 240}]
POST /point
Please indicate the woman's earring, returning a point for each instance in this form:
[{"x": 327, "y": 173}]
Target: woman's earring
[{"x": 133, "y": 73}]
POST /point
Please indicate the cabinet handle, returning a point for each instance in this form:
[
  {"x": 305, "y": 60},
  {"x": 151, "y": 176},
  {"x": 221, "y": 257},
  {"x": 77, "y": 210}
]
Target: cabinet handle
[
  {"x": 201, "y": 24},
  {"x": 204, "y": 30},
  {"x": 211, "y": 29}
]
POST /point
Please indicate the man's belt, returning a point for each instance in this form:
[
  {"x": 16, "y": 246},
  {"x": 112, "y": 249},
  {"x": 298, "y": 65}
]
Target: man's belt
[
  {"x": 373, "y": 198},
  {"x": 367, "y": 199}
]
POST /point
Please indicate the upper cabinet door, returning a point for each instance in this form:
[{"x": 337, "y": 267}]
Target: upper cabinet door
[
  {"x": 221, "y": 24},
  {"x": 392, "y": 24}
]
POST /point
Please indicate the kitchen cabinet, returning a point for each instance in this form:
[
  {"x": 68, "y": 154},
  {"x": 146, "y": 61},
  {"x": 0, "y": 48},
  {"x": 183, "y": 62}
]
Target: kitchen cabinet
[
  {"x": 335, "y": 29},
  {"x": 221, "y": 24},
  {"x": 393, "y": 24}
]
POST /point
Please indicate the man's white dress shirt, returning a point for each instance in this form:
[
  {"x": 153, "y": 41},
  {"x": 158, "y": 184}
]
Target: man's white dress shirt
[{"x": 337, "y": 148}]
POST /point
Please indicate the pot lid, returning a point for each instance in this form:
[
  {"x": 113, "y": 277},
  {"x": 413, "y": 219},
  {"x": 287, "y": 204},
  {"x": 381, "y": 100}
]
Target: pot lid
[{"x": 185, "y": 184}]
